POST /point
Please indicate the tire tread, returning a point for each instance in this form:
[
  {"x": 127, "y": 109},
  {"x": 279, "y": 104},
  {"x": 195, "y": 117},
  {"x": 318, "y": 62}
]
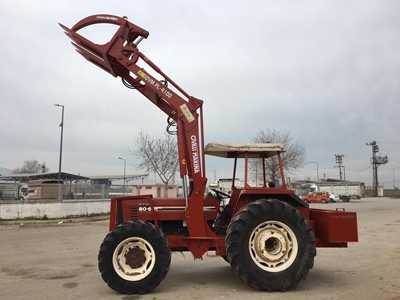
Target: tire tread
[{"x": 242, "y": 264}]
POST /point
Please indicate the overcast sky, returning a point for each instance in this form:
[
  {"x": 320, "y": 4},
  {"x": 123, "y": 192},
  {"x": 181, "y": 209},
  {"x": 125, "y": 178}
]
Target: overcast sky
[{"x": 328, "y": 71}]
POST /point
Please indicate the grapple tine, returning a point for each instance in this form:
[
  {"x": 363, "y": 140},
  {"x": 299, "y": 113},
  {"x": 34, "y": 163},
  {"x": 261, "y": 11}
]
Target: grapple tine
[
  {"x": 94, "y": 60},
  {"x": 88, "y": 45},
  {"x": 63, "y": 27},
  {"x": 89, "y": 50},
  {"x": 94, "y": 57},
  {"x": 105, "y": 56}
]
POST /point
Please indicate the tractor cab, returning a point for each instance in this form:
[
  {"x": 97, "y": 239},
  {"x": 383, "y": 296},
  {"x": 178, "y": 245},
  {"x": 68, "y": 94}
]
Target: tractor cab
[
  {"x": 254, "y": 154},
  {"x": 262, "y": 184},
  {"x": 268, "y": 177}
]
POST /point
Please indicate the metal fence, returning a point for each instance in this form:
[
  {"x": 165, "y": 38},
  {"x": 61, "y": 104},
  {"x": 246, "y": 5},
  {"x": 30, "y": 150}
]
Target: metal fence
[
  {"x": 49, "y": 191},
  {"x": 94, "y": 191}
]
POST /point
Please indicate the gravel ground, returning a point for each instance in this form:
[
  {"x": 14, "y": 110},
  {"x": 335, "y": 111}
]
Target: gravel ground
[{"x": 57, "y": 259}]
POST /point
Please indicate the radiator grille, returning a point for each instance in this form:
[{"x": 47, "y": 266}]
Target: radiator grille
[{"x": 134, "y": 213}]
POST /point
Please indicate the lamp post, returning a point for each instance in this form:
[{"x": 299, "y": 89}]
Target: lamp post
[
  {"x": 124, "y": 170},
  {"x": 317, "y": 169},
  {"x": 61, "y": 142}
]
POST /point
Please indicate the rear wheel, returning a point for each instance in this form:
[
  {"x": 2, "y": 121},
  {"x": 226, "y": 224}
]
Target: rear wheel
[
  {"x": 345, "y": 199},
  {"x": 270, "y": 245},
  {"x": 134, "y": 257},
  {"x": 323, "y": 201}
]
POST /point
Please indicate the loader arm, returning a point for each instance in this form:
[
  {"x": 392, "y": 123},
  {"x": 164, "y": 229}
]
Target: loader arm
[{"x": 121, "y": 58}]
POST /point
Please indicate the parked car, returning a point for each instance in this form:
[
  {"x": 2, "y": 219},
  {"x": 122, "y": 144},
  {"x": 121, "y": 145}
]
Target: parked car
[
  {"x": 334, "y": 198},
  {"x": 318, "y": 197}
]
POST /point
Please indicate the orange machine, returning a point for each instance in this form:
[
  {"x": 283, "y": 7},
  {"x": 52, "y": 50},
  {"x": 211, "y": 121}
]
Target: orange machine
[{"x": 267, "y": 233}]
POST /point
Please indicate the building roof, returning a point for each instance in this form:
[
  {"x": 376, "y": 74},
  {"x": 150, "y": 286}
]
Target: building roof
[
  {"x": 25, "y": 177},
  {"x": 35, "y": 176},
  {"x": 119, "y": 177}
]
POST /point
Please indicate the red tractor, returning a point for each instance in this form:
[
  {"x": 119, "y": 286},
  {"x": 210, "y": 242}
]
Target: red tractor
[{"x": 267, "y": 233}]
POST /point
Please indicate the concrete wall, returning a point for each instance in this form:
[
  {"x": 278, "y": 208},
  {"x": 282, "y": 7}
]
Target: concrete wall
[
  {"x": 392, "y": 193},
  {"x": 21, "y": 210},
  {"x": 386, "y": 193}
]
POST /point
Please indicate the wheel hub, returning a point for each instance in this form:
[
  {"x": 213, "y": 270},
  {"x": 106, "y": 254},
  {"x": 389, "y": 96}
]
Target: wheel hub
[
  {"x": 135, "y": 257},
  {"x": 273, "y": 246}
]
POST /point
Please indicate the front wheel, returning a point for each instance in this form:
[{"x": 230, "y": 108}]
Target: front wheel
[
  {"x": 345, "y": 199},
  {"x": 270, "y": 245},
  {"x": 134, "y": 257}
]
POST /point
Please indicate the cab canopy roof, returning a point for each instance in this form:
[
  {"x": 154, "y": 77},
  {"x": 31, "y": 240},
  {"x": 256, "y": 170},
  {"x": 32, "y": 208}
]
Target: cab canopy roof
[{"x": 254, "y": 150}]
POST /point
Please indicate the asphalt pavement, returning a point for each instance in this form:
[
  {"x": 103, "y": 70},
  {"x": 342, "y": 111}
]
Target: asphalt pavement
[{"x": 57, "y": 259}]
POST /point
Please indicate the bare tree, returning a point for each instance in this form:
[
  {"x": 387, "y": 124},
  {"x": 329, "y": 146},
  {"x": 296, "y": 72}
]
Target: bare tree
[
  {"x": 292, "y": 159},
  {"x": 157, "y": 155},
  {"x": 31, "y": 166}
]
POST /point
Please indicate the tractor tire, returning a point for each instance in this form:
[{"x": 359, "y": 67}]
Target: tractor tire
[
  {"x": 225, "y": 258},
  {"x": 134, "y": 257},
  {"x": 270, "y": 245}
]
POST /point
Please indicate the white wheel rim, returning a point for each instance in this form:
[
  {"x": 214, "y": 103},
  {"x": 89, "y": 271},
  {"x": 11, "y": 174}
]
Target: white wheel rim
[
  {"x": 273, "y": 246},
  {"x": 133, "y": 259}
]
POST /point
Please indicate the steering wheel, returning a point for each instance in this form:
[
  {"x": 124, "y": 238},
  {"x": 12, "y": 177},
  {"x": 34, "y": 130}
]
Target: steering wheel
[{"x": 220, "y": 194}]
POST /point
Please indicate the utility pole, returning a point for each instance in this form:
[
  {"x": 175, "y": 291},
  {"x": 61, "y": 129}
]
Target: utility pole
[
  {"x": 394, "y": 185},
  {"x": 376, "y": 161},
  {"x": 339, "y": 160},
  {"x": 60, "y": 192},
  {"x": 317, "y": 169},
  {"x": 124, "y": 172},
  {"x": 344, "y": 173}
]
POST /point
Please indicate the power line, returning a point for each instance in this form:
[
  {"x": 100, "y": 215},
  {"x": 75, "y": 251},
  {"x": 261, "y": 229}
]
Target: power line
[
  {"x": 394, "y": 165},
  {"x": 358, "y": 172},
  {"x": 389, "y": 142}
]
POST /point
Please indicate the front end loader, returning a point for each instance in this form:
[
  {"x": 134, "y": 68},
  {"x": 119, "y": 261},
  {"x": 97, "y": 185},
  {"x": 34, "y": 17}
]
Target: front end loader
[{"x": 264, "y": 231}]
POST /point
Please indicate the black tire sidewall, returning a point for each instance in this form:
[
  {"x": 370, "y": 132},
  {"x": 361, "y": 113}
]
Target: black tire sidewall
[
  {"x": 152, "y": 235},
  {"x": 247, "y": 269}
]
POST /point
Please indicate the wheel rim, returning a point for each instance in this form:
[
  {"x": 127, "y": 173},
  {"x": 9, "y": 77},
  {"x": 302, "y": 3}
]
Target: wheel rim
[
  {"x": 134, "y": 259},
  {"x": 273, "y": 246}
]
